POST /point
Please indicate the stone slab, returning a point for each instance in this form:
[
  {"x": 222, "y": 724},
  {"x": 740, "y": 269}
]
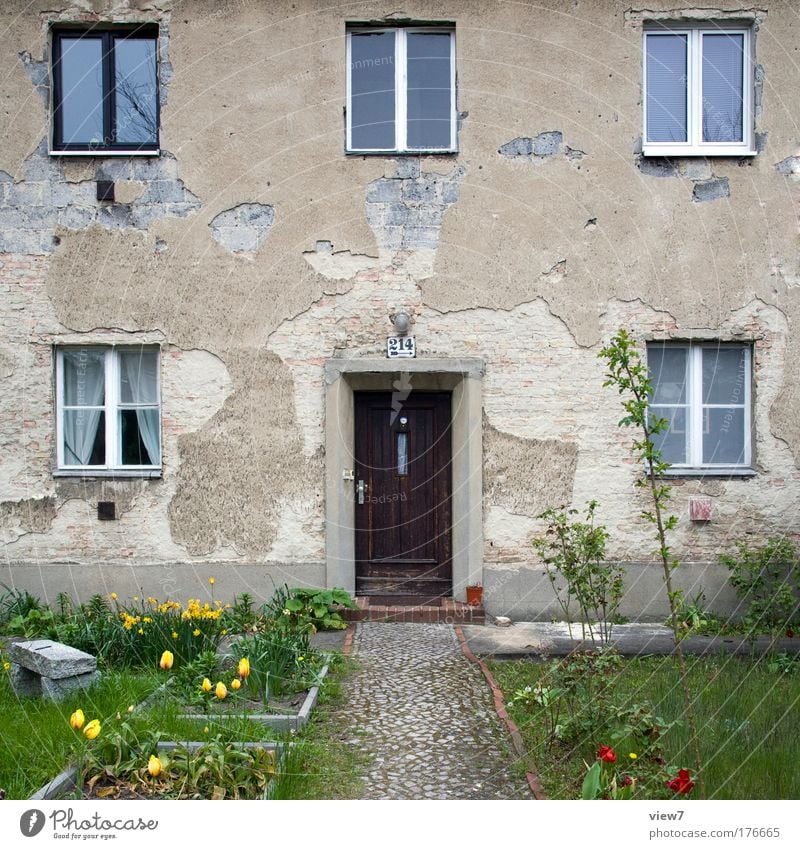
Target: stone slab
[
  {"x": 24, "y": 682},
  {"x": 51, "y": 659},
  {"x": 59, "y": 688}
]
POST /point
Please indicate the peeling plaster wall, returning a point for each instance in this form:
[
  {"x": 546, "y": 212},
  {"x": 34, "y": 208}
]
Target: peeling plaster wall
[{"x": 543, "y": 235}]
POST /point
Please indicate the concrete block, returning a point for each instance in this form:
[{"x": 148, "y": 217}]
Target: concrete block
[
  {"x": 522, "y": 146},
  {"x": 656, "y": 166},
  {"x": 714, "y": 189},
  {"x": 24, "y": 682},
  {"x": 547, "y": 144},
  {"x": 58, "y": 689},
  {"x": 76, "y": 217},
  {"x": 51, "y": 659},
  {"x": 420, "y": 191},
  {"x": 384, "y": 191},
  {"x": 408, "y": 167}
]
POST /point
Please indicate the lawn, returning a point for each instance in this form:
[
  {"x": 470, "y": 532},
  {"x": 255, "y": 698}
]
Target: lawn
[{"x": 747, "y": 713}]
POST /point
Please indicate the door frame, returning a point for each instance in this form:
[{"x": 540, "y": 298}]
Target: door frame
[{"x": 462, "y": 377}]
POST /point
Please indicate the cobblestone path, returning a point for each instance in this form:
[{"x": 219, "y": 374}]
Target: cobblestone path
[{"x": 425, "y": 714}]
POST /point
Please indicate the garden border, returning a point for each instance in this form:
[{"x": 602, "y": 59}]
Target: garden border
[{"x": 531, "y": 775}]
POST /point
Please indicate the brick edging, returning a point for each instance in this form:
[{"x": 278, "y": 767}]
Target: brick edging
[
  {"x": 347, "y": 645},
  {"x": 500, "y": 707}
]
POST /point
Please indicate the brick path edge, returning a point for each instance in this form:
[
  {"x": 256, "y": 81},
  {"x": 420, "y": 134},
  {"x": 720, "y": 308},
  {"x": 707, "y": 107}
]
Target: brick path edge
[{"x": 534, "y": 782}]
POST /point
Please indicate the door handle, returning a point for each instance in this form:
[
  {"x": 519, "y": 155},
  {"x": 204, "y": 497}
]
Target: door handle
[{"x": 360, "y": 490}]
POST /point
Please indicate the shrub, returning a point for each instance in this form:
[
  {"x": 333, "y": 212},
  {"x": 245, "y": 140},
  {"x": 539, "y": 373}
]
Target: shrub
[
  {"x": 767, "y": 580},
  {"x": 310, "y": 610}
]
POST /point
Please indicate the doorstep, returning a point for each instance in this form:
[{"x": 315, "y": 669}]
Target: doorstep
[{"x": 447, "y": 612}]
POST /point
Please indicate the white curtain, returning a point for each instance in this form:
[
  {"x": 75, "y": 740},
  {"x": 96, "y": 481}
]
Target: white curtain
[
  {"x": 84, "y": 386},
  {"x": 139, "y": 385}
]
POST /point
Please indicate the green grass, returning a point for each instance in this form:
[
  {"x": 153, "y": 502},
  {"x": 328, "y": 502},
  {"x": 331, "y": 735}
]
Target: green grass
[
  {"x": 37, "y": 742},
  {"x": 325, "y": 765},
  {"x": 748, "y": 718}
]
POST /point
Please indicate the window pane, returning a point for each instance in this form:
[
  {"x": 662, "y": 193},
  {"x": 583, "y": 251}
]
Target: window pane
[
  {"x": 139, "y": 435},
  {"x": 724, "y": 376},
  {"x": 672, "y": 442},
  {"x": 372, "y": 90},
  {"x": 138, "y": 377},
  {"x": 84, "y": 378},
  {"x": 429, "y": 90},
  {"x": 668, "y": 374},
  {"x": 402, "y": 453},
  {"x": 723, "y": 435},
  {"x": 81, "y": 74},
  {"x": 135, "y": 89},
  {"x": 84, "y": 435},
  {"x": 666, "y": 88},
  {"x": 723, "y": 58}
]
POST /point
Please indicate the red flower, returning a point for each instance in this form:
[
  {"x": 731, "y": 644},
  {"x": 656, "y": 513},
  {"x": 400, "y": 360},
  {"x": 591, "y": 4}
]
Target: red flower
[
  {"x": 682, "y": 783},
  {"x": 606, "y": 754},
  {"x": 626, "y": 781}
]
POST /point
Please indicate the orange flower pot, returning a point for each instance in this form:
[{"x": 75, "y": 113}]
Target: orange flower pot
[{"x": 474, "y": 596}]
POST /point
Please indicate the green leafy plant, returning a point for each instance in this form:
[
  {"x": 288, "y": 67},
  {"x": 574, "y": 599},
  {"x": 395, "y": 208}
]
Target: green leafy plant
[
  {"x": 303, "y": 609},
  {"x": 16, "y": 603},
  {"x": 629, "y": 375},
  {"x": 693, "y": 617},
  {"x": 576, "y": 551},
  {"x": 281, "y": 661},
  {"x": 767, "y": 579}
]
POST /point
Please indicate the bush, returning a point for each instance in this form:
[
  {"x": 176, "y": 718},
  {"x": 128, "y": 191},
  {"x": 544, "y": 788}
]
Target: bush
[
  {"x": 309, "y": 610},
  {"x": 767, "y": 580}
]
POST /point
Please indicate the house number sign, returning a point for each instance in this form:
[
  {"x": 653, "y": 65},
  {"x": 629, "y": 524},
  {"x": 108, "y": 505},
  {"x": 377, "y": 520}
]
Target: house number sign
[{"x": 400, "y": 346}]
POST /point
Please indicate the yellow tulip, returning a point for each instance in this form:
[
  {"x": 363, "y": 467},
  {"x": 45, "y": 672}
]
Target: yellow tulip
[
  {"x": 235, "y": 684},
  {"x": 77, "y": 719},
  {"x": 244, "y": 667},
  {"x": 205, "y": 730},
  {"x": 206, "y": 686},
  {"x": 221, "y": 691},
  {"x": 211, "y": 581},
  {"x": 92, "y": 729},
  {"x": 633, "y": 756},
  {"x": 167, "y": 659},
  {"x": 113, "y": 596},
  {"x": 154, "y": 766}
]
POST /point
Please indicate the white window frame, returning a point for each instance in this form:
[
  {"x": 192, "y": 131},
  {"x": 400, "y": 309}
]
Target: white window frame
[
  {"x": 694, "y": 144},
  {"x": 401, "y": 91},
  {"x": 694, "y": 408},
  {"x": 112, "y": 406}
]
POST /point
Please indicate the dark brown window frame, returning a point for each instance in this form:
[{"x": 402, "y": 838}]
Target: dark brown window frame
[{"x": 108, "y": 35}]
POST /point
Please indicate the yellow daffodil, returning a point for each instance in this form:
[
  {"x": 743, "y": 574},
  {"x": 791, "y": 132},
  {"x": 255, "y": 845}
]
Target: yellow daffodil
[
  {"x": 221, "y": 691},
  {"x": 224, "y": 631},
  {"x": 140, "y": 631},
  {"x": 633, "y": 756},
  {"x": 167, "y": 659},
  {"x": 244, "y": 667},
  {"x": 206, "y": 686},
  {"x": 147, "y": 619},
  {"x": 113, "y": 596},
  {"x": 196, "y": 632},
  {"x": 136, "y": 598},
  {"x": 6, "y": 665},
  {"x": 174, "y": 635},
  {"x": 92, "y": 729},
  {"x": 154, "y": 766},
  {"x": 211, "y": 581},
  {"x": 235, "y": 684},
  {"x": 77, "y": 719}
]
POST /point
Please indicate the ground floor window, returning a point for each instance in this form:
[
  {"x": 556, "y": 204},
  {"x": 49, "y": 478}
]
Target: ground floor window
[
  {"x": 108, "y": 408},
  {"x": 703, "y": 391}
]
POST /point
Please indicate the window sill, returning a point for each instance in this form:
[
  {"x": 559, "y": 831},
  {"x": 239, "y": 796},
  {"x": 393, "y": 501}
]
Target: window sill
[
  {"x": 708, "y": 152},
  {"x": 100, "y": 153},
  {"x": 710, "y": 472},
  {"x": 107, "y": 473}
]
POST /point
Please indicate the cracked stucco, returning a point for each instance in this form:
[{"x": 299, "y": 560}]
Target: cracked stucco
[{"x": 528, "y": 267}]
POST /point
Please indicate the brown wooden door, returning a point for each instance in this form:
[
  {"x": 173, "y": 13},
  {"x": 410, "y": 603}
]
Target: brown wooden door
[{"x": 403, "y": 457}]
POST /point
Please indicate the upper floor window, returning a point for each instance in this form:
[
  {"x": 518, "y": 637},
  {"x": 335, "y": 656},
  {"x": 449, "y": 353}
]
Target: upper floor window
[
  {"x": 108, "y": 409},
  {"x": 698, "y": 91},
  {"x": 401, "y": 92},
  {"x": 105, "y": 89},
  {"x": 703, "y": 391}
]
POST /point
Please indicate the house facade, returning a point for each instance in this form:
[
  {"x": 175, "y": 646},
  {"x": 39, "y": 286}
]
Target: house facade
[{"x": 314, "y": 294}]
